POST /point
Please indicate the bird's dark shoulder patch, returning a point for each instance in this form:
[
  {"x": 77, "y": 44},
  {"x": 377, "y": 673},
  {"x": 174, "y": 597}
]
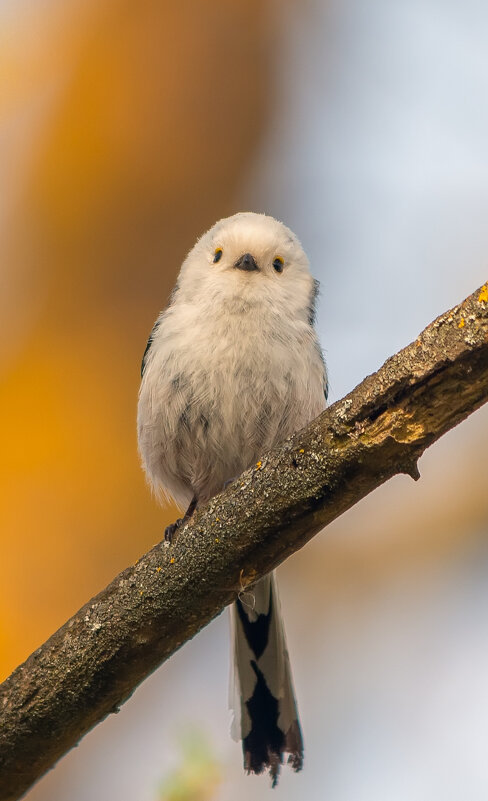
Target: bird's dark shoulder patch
[
  {"x": 156, "y": 326},
  {"x": 312, "y": 306},
  {"x": 149, "y": 343}
]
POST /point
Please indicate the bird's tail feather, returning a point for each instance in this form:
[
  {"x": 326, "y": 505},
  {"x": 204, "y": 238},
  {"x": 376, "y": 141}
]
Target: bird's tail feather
[{"x": 261, "y": 689}]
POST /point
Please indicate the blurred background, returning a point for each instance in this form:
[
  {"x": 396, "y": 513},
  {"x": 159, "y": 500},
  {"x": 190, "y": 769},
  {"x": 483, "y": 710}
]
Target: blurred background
[{"x": 126, "y": 130}]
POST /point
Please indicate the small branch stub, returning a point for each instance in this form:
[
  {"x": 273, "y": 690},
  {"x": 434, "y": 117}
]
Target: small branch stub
[{"x": 412, "y": 470}]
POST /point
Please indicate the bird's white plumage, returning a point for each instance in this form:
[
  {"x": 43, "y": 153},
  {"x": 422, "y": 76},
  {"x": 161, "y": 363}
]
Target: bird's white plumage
[{"x": 234, "y": 367}]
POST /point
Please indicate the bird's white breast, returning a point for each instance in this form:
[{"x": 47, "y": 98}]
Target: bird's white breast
[{"x": 223, "y": 383}]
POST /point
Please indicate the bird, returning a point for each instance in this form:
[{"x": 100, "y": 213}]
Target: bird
[{"x": 232, "y": 368}]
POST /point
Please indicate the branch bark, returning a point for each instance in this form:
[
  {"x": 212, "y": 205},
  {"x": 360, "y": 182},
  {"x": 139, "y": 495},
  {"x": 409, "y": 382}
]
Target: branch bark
[{"x": 93, "y": 663}]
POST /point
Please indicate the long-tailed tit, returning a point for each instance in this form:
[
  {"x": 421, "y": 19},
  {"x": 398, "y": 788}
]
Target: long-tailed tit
[{"x": 233, "y": 367}]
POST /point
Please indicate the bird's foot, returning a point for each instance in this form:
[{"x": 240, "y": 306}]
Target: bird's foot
[{"x": 171, "y": 530}]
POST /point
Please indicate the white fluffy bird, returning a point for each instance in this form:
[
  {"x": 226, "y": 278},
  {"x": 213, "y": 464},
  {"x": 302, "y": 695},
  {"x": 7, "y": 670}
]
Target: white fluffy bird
[{"x": 232, "y": 368}]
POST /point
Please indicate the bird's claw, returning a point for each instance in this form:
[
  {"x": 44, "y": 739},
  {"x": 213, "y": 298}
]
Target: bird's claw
[{"x": 171, "y": 530}]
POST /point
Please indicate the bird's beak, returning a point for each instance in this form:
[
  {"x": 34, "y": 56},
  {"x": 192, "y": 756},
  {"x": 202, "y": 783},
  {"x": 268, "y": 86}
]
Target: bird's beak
[{"x": 247, "y": 263}]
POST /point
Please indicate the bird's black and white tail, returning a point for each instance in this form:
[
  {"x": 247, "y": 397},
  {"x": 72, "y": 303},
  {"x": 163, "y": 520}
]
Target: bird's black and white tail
[{"x": 261, "y": 689}]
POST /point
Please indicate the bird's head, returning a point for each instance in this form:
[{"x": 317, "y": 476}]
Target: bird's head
[{"x": 249, "y": 258}]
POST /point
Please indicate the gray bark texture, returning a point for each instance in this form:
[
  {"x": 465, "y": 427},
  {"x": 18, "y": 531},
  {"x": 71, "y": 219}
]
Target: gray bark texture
[{"x": 91, "y": 665}]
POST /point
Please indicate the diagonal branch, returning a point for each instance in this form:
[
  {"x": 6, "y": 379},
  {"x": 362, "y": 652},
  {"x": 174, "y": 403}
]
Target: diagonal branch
[{"x": 93, "y": 663}]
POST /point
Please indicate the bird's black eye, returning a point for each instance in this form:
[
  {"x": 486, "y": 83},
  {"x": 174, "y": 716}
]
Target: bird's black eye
[
  {"x": 278, "y": 264},
  {"x": 218, "y": 254}
]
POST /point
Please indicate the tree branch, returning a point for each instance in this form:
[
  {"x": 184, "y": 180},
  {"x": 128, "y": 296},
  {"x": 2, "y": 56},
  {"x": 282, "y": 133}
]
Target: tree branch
[{"x": 93, "y": 663}]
